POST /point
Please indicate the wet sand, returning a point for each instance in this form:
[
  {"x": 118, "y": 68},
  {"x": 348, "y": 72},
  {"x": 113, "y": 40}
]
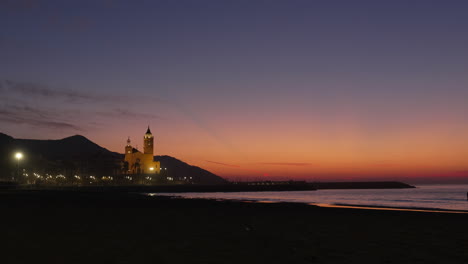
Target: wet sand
[{"x": 78, "y": 227}]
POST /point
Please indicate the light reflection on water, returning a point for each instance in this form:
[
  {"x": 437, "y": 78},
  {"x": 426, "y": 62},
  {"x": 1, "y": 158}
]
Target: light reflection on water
[{"x": 449, "y": 197}]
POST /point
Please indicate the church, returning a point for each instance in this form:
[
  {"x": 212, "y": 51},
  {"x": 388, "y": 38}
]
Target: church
[{"x": 137, "y": 162}]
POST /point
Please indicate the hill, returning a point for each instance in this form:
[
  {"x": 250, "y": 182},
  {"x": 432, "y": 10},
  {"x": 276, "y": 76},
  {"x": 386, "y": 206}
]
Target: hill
[
  {"x": 177, "y": 168},
  {"x": 79, "y": 155}
]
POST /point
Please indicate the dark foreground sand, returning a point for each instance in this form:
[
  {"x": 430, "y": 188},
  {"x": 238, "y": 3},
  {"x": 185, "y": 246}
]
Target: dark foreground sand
[{"x": 54, "y": 227}]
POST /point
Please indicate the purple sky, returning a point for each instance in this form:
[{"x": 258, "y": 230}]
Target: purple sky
[{"x": 341, "y": 85}]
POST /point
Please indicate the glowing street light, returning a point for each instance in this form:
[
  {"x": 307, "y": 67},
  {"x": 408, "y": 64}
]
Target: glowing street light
[{"x": 18, "y": 157}]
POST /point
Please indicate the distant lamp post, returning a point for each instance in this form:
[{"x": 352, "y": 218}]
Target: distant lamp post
[
  {"x": 18, "y": 157},
  {"x": 151, "y": 169}
]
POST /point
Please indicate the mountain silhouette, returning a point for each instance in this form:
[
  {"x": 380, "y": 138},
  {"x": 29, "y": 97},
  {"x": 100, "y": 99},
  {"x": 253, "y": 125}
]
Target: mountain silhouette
[
  {"x": 79, "y": 155},
  {"x": 179, "y": 169}
]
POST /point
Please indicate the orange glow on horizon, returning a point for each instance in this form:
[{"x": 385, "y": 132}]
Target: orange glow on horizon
[{"x": 309, "y": 155}]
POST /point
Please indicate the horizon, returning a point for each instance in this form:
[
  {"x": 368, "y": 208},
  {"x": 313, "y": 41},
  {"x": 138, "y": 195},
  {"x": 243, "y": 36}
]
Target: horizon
[
  {"x": 248, "y": 89},
  {"x": 420, "y": 181}
]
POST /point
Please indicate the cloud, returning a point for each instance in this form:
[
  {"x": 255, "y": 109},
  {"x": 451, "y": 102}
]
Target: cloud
[
  {"x": 286, "y": 164},
  {"x": 35, "y": 89},
  {"x": 11, "y": 118},
  {"x": 15, "y": 114},
  {"x": 40, "y": 123},
  {"x": 253, "y": 171},
  {"x": 224, "y": 164},
  {"x": 124, "y": 113},
  {"x": 15, "y": 110},
  {"x": 42, "y": 106}
]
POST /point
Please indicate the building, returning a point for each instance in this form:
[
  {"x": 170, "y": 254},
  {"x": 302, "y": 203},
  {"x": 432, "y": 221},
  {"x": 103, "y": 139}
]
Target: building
[{"x": 136, "y": 162}]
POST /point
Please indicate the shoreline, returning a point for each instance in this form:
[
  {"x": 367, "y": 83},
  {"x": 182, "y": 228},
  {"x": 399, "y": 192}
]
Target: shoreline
[
  {"x": 87, "y": 227},
  {"x": 263, "y": 186},
  {"x": 324, "y": 205},
  {"x": 389, "y": 208},
  {"x": 122, "y": 191}
]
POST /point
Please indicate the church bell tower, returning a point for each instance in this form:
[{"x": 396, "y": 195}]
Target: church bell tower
[
  {"x": 148, "y": 141},
  {"x": 128, "y": 147}
]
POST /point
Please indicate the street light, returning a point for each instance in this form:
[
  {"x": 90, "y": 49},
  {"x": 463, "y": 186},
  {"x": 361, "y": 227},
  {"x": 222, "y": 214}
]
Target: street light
[{"x": 18, "y": 157}]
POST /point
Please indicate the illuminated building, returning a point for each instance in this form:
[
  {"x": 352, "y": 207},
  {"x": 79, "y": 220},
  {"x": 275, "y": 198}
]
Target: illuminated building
[{"x": 136, "y": 162}]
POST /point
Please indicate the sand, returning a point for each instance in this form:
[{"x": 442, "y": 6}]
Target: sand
[{"x": 58, "y": 227}]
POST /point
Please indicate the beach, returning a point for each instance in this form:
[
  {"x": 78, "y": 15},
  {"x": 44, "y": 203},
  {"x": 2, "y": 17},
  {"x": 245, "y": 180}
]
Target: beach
[{"x": 82, "y": 227}]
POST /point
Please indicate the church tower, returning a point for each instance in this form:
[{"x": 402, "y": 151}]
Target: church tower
[
  {"x": 148, "y": 141},
  {"x": 141, "y": 163},
  {"x": 128, "y": 147}
]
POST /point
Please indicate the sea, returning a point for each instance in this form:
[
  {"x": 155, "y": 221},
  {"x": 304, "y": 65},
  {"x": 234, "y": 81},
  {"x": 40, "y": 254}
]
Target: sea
[{"x": 426, "y": 197}]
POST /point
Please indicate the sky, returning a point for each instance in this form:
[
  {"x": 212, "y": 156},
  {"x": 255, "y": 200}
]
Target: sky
[{"x": 249, "y": 90}]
